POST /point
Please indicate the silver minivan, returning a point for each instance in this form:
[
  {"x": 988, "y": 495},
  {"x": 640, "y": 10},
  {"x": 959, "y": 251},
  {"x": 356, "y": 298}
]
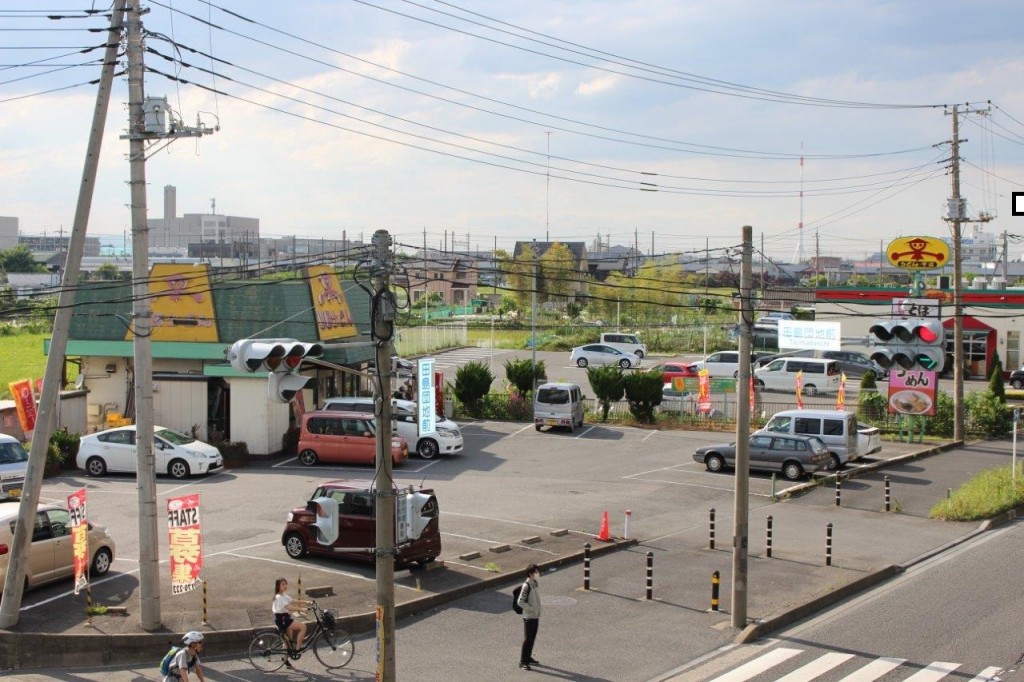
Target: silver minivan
[
  {"x": 558, "y": 404},
  {"x": 835, "y": 428}
]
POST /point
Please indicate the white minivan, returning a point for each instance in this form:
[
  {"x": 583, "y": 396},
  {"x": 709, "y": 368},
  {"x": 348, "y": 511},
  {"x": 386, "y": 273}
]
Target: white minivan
[
  {"x": 835, "y": 428},
  {"x": 819, "y": 376},
  {"x": 558, "y": 404}
]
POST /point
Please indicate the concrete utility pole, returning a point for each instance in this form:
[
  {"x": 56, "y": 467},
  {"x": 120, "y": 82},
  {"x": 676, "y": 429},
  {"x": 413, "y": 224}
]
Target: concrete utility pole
[
  {"x": 10, "y": 603},
  {"x": 383, "y": 311},
  {"x": 741, "y": 512},
  {"x": 149, "y": 549}
]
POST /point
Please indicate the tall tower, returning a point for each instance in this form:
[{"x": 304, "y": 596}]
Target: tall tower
[{"x": 798, "y": 256}]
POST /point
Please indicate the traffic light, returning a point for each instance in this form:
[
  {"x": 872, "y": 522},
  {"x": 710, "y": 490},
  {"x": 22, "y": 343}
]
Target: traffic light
[
  {"x": 420, "y": 510},
  {"x": 909, "y": 344},
  {"x": 281, "y": 357},
  {"x": 326, "y": 524}
]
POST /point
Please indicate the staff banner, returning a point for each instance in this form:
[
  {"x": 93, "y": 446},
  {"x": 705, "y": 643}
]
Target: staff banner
[
  {"x": 25, "y": 403},
  {"x": 185, "y": 542},
  {"x": 79, "y": 537},
  {"x": 800, "y": 390},
  {"x": 703, "y": 391}
]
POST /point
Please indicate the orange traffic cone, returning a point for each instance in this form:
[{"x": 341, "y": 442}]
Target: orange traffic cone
[{"x": 604, "y": 534}]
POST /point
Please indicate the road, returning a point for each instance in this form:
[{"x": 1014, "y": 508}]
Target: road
[{"x": 956, "y": 617}]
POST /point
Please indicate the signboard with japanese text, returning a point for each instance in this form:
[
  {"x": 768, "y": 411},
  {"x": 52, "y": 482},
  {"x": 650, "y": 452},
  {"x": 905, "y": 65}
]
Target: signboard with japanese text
[
  {"x": 692, "y": 384},
  {"x": 703, "y": 391},
  {"x": 79, "y": 537},
  {"x": 918, "y": 253},
  {"x": 425, "y": 387},
  {"x": 185, "y": 542},
  {"x": 800, "y": 334},
  {"x": 181, "y": 298},
  {"x": 912, "y": 391},
  {"x": 333, "y": 317},
  {"x": 24, "y": 403},
  {"x": 917, "y": 307}
]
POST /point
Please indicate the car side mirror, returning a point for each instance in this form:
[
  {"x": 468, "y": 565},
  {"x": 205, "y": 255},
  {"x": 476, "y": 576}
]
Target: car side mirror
[{"x": 367, "y": 434}]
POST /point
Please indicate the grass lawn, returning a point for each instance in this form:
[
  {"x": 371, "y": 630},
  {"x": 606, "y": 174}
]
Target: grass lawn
[
  {"x": 989, "y": 493},
  {"x": 22, "y": 359}
]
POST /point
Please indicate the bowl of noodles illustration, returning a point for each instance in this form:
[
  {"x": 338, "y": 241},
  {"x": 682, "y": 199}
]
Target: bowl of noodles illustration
[{"x": 911, "y": 402}]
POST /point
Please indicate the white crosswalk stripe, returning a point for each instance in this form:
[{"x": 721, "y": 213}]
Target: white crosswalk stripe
[
  {"x": 818, "y": 666},
  {"x": 989, "y": 674},
  {"x": 934, "y": 671},
  {"x": 874, "y": 670},
  {"x": 757, "y": 666}
]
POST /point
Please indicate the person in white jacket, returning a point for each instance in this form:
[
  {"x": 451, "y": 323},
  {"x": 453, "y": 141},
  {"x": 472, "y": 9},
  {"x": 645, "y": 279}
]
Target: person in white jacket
[{"x": 529, "y": 600}]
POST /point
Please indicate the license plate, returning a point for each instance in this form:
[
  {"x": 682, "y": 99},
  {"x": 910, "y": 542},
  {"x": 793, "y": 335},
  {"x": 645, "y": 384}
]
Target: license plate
[
  {"x": 14, "y": 492},
  {"x": 551, "y": 422}
]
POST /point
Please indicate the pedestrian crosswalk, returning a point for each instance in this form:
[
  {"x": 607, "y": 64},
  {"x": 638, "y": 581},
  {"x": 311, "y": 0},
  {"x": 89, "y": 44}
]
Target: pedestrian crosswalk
[
  {"x": 784, "y": 664},
  {"x": 453, "y": 359}
]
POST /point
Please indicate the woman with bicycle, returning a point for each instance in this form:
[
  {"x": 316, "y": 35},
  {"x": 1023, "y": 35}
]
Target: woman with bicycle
[{"x": 284, "y": 606}]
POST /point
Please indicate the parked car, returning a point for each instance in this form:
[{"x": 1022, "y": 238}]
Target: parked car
[
  {"x": 627, "y": 343},
  {"x": 343, "y": 438},
  {"x": 600, "y": 354},
  {"x": 13, "y": 463},
  {"x": 558, "y": 404},
  {"x": 671, "y": 370},
  {"x": 1017, "y": 379},
  {"x": 793, "y": 456},
  {"x": 818, "y": 375},
  {"x": 724, "y": 363},
  {"x": 869, "y": 439},
  {"x": 176, "y": 454},
  {"x": 445, "y": 439},
  {"x": 837, "y": 429},
  {"x": 855, "y": 364},
  {"x": 51, "y": 555},
  {"x": 357, "y": 526}
]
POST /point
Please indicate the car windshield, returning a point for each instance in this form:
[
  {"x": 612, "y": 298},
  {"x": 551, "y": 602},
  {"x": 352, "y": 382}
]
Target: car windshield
[
  {"x": 12, "y": 453},
  {"x": 173, "y": 437}
]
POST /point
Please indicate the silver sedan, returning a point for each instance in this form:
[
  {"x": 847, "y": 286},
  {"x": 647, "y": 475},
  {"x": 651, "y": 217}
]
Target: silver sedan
[{"x": 600, "y": 354}]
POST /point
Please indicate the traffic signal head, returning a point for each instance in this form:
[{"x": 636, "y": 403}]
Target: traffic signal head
[
  {"x": 251, "y": 355},
  {"x": 421, "y": 509},
  {"x": 326, "y": 525},
  {"x": 909, "y": 344}
]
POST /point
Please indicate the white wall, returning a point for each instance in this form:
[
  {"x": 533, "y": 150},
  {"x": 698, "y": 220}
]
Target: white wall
[
  {"x": 254, "y": 419},
  {"x": 180, "y": 405}
]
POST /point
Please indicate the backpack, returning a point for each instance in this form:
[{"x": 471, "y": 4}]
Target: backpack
[
  {"x": 165, "y": 662},
  {"x": 515, "y": 598}
]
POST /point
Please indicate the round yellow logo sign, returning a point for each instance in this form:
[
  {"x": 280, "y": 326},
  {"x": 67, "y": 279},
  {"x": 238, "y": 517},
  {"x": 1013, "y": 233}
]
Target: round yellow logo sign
[{"x": 918, "y": 253}]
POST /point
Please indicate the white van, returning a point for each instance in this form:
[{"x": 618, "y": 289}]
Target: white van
[
  {"x": 627, "y": 343},
  {"x": 835, "y": 428},
  {"x": 820, "y": 376},
  {"x": 558, "y": 405}
]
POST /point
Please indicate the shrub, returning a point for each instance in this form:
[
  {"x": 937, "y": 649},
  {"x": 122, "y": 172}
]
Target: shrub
[
  {"x": 608, "y": 387},
  {"x": 988, "y": 414},
  {"x": 520, "y": 373},
  {"x": 643, "y": 393},
  {"x": 472, "y": 382},
  {"x": 995, "y": 381},
  {"x": 867, "y": 382},
  {"x": 872, "y": 406},
  {"x": 238, "y": 451},
  {"x": 66, "y": 445},
  {"x": 942, "y": 423}
]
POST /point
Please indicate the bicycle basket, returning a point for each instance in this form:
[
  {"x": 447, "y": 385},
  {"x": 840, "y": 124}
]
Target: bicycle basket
[{"x": 330, "y": 618}]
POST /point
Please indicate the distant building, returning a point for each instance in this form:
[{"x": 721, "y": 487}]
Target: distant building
[
  {"x": 8, "y": 233},
  {"x": 59, "y": 243},
  {"x": 201, "y": 228}
]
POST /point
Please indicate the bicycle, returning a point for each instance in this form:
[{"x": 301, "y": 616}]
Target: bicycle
[{"x": 269, "y": 650}]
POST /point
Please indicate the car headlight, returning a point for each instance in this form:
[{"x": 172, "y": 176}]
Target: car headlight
[{"x": 446, "y": 431}]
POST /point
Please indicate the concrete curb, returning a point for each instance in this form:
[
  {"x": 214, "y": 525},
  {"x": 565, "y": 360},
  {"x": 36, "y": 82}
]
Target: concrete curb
[{"x": 33, "y": 650}]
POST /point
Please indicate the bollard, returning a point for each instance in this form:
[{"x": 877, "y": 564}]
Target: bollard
[
  {"x": 768, "y": 538},
  {"x": 714, "y": 590},
  {"x": 88, "y": 605},
  {"x": 773, "y": 488},
  {"x": 828, "y": 545},
  {"x": 949, "y": 493},
  {"x": 206, "y": 619},
  {"x": 711, "y": 530},
  {"x": 650, "y": 576},
  {"x": 586, "y": 566},
  {"x": 839, "y": 487},
  {"x": 300, "y": 586},
  {"x": 888, "y": 498},
  {"x": 625, "y": 529}
]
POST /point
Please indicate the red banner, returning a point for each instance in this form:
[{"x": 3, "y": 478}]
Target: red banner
[
  {"x": 703, "y": 391},
  {"x": 751, "y": 394},
  {"x": 841, "y": 396},
  {"x": 79, "y": 537},
  {"x": 800, "y": 390},
  {"x": 185, "y": 542},
  {"x": 21, "y": 391}
]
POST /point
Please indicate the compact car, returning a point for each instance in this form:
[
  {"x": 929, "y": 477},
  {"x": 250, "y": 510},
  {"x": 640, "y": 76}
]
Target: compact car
[
  {"x": 600, "y": 354},
  {"x": 176, "y": 454}
]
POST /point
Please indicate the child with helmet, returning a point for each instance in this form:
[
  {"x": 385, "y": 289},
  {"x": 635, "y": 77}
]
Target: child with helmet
[{"x": 186, "y": 661}]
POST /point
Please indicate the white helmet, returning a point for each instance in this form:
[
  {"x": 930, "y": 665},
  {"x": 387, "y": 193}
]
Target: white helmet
[{"x": 192, "y": 637}]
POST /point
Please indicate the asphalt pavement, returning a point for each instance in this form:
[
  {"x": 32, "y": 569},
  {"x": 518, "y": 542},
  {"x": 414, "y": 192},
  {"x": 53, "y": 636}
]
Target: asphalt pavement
[{"x": 587, "y": 627}]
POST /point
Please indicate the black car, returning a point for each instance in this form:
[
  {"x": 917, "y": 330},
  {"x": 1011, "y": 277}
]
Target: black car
[
  {"x": 1017, "y": 379},
  {"x": 854, "y": 364}
]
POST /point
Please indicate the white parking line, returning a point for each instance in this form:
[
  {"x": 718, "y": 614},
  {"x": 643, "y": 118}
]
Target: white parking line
[
  {"x": 498, "y": 542},
  {"x": 586, "y": 432},
  {"x": 525, "y": 428},
  {"x": 649, "y": 435}
]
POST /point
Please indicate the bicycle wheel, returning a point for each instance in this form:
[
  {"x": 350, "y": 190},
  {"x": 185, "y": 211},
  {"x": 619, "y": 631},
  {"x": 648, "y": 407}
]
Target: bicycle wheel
[
  {"x": 333, "y": 649},
  {"x": 267, "y": 651}
]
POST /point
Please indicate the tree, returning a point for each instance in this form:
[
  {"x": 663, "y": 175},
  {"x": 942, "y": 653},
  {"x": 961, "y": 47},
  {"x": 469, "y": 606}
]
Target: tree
[
  {"x": 107, "y": 271},
  {"x": 472, "y": 382},
  {"x": 19, "y": 259},
  {"x": 643, "y": 393},
  {"x": 558, "y": 272},
  {"x": 607, "y": 383},
  {"x": 996, "y": 384},
  {"x": 519, "y": 272},
  {"x": 520, "y": 373},
  {"x": 507, "y": 305}
]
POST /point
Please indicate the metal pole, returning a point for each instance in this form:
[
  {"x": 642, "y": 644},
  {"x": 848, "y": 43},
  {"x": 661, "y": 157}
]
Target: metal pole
[
  {"x": 586, "y": 566},
  {"x": 650, "y": 576},
  {"x": 742, "y": 484},
  {"x": 711, "y": 529},
  {"x": 768, "y": 538},
  {"x": 839, "y": 489},
  {"x": 533, "y": 322},
  {"x": 888, "y": 498},
  {"x": 383, "y": 483},
  {"x": 715, "y": 580},
  {"x": 828, "y": 545},
  {"x": 145, "y": 461},
  {"x": 10, "y": 602},
  {"x": 625, "y": 529}
]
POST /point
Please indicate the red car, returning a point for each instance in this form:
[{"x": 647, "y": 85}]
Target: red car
[{"x": 671, "y": 370}]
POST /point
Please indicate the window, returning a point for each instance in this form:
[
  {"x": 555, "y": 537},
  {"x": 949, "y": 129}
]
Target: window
[
  {"x": 834, "y": 427},
  {"x": 41, "y": 528},
  {"x": 761, "y": 442},
  {"x": 60, "y": 522},
  {"x": 553, "y": 396},
  {"x": 356, "y": 504},
  {"x": 801, "y": 446},
  {"x": 786, "y": 444},
  {"x": 12, "y": 453},
  {"x": 806, "y": 425},
  {"x": 779, "y": 425},
  {"x": 833, "y": 369},
  {"x": 117, "y": 437}
]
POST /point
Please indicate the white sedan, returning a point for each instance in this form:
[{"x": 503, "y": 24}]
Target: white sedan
[
  {"x": 600, "y": 354},
  {"x": 176, "y": 454}
]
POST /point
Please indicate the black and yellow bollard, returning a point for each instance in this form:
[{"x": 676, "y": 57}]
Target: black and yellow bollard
[
  {"x": 828, "y": 545},
  {"x": 711, "y": 530},
  {"x": 206, "y": 603},
  {"x": 586, "y": 566},
  {"x": 768, "y": 538},
  {"x": 715, "y": 580},
  {"x": 888, "y": 498},
  {"x": 650, "y": 576}
]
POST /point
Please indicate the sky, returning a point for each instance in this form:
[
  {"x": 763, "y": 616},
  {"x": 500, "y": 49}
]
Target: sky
[{"x": 486, "y": 123}]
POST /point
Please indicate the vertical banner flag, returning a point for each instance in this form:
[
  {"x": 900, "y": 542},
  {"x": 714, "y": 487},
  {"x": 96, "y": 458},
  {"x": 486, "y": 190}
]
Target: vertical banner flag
[
  {"x": 21, "y": 391},
  {"x": 185, "y": 542},
  {"x": 751, "y": 394},
  {"x": 800, "y": 390},
  {"x": 841, "y": 396},
  {"x": 703, "y": 391},
  {"x": 79, "y": 537},
  {"x": 425, "y": 387}
]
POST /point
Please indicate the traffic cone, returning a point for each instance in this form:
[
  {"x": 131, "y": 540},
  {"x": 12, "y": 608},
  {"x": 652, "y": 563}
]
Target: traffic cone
[{"x": 604, "y": 534}]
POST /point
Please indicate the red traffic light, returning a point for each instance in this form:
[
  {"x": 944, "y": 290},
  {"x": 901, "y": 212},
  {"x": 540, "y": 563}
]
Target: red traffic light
[{"x": 926, "y": 334}]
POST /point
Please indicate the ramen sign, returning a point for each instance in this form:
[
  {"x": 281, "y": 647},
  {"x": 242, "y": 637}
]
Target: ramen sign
[{"x": 918, "y": 253}]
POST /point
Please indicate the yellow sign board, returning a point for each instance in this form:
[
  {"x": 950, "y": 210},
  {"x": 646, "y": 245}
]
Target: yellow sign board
[
  {"x": 181, "y": 303},
  {"x": 333, "y": 318},
  {"x": 918, "y": 253}
]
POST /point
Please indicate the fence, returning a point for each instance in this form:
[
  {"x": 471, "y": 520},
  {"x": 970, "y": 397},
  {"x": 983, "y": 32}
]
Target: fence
[{"x": 414, "y": 341}]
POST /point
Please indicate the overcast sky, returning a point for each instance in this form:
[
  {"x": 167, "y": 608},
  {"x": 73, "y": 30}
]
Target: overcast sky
[{"x": 524, "y": 119}]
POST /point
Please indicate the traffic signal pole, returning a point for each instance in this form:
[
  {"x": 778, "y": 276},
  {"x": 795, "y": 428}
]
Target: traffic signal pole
[
  {"x": 383, "y": 325},
  {"x": 741, "y": 505}
]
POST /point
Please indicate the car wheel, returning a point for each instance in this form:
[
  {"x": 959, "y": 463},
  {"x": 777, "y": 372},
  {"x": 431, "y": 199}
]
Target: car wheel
[
  {"x": 537, "y": 426},
  {"x": 95, "y": 466},
  {"x": 792, "y": 471},
  {"x": 295, "y": 546},
  {"x": 308, "y": 457},
  {"x": 582, "y": 362},
  {"x": 1017, "y": 384},
  {"x": 714, "y": 462},
  {"x": 810, "y": 390},
  {"x": 178, "y": 468},
  {"x": 427, "y": 448},
  {"x": 837, "y": 463},
  {"x": 625, "y": 363},
  {"x": 640, "y": 354},
  {"x": 101, "y": 562}
]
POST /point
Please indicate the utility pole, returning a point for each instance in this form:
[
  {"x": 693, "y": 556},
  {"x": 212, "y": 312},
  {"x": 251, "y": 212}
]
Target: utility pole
[
  {"x": 741, "y": 509},
  {"x": 14, "y": 582},
  {"x": 383, "y": 328},
  {"x": 533, "y": 321}
]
